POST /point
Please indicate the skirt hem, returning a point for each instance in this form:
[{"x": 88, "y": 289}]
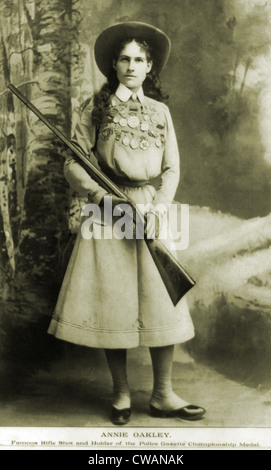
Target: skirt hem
[{"x": 119, "y": 340}]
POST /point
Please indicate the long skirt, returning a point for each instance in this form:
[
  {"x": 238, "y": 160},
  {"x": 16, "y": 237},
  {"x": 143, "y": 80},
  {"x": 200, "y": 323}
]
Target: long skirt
[{"x": 113, "y": 296}]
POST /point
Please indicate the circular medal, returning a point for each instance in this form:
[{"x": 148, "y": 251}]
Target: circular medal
[
  {"x": 126, "y": 140},
  {"x": 144, "y": 126},
  {"x": 116, "y": 119},
  {"x": 144, "y": 144},
  {"x": 123, "y": 122},
  {"x": 133, "y": 121},
  {"x": 154, "y": 119},
  {"x": 134, "y": 144},
  {"x": 158, "y": 142}
]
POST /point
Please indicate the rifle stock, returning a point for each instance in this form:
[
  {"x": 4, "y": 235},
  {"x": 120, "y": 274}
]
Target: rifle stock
[{"x": 176, "y": 280}]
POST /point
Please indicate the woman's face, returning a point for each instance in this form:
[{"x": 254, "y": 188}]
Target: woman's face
[{"x": 132, "y": 66}]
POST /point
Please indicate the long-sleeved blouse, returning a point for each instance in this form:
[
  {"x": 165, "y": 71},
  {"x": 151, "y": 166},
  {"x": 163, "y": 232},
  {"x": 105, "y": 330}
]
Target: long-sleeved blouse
[{"x": 136, "y": 142}]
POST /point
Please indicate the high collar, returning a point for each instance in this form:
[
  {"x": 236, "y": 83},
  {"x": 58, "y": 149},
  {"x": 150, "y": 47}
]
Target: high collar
[{"x": 124, "y": 94}]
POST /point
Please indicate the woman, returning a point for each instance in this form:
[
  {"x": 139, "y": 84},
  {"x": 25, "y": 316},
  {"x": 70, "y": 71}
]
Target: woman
[{"x": 112, "y": 295}]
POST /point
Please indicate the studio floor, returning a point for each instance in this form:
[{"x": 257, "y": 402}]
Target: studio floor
[{"x": 71, "y": 394}]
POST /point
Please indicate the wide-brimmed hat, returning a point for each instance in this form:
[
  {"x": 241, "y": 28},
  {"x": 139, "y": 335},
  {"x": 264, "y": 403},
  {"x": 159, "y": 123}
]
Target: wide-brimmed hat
[{"x": 107, "y": 42}]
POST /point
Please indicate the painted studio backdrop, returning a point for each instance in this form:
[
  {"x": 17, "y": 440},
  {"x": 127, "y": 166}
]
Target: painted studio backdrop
[{"x": 218, "y": 81}]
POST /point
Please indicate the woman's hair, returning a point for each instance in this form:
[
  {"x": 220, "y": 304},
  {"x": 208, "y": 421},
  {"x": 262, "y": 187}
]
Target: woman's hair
[{"x": 151, "y": 85}]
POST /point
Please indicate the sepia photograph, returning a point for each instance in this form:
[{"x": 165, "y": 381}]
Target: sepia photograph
[{"x": 135, "y": 224}]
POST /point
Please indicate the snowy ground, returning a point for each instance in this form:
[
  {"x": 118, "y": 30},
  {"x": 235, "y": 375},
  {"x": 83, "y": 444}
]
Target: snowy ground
[{"x": 229, "y": 255}]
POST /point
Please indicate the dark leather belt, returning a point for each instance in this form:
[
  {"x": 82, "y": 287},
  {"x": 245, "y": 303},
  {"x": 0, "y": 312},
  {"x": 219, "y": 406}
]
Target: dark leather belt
[{"x": 123, "y": 181}]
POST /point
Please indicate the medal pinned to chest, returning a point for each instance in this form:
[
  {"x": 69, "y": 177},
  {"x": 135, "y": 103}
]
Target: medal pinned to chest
[
  {"x": 133, "y": 122},
  {"x": 130, "y": 141},
  {"x": 133, "y": 127}
]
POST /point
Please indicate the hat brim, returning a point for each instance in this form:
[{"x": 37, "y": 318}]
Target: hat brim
[{"x": 107, "y": 42}]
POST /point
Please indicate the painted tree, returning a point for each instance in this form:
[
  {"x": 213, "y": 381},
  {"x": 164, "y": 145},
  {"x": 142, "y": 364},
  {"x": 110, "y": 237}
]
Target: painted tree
[
  {"x": 37, "y": 43},
  {"x": 16, "y": 55},
  {"x": 16, "y": 64}
]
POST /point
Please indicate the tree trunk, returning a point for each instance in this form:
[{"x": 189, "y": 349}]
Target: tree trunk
[
  {"x": 35, "y": 48},
  {"x": 45, "y": 198},
  {"x": 16, "y": 61}
]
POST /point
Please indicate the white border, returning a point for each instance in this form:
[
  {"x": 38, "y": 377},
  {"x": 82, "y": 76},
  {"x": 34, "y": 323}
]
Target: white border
[{"x": 135, "y": 438}]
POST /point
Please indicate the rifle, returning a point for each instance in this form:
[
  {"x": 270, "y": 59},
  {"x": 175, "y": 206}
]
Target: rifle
[{"x": 177, "y": 281}]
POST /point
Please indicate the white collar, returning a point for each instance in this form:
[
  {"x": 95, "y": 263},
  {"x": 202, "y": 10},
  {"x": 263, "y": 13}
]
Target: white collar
[{"x": 124, "y": 94}]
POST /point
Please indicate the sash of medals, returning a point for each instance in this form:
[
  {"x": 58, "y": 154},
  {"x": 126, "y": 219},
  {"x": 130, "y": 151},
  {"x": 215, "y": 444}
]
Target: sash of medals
[{"x": 130, "y": 130}]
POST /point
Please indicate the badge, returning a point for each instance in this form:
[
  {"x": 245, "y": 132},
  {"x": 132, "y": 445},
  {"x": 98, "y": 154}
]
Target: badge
[
  {"x": 154, "y": 119},
  {"x": 107, "y": 132},
  {"x": 133, "y": 109},
  {"x": 153, "y": 133},
  {"x": 144, "y": 144},
  {"x": 123, "y": 122},
  {"x": 144, "y": 126},
  {"x": 158, "y": 142},
  {"x": 116, "y": 119},
  {"x": 134, "y": 144},
  {"x": 133, "y": 121},
  {"x": 123, "y": 113},
  {"x": 126, "y": 140}
]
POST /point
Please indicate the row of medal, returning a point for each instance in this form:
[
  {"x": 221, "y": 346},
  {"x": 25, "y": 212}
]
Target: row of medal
[
  {"x": 127, "y": 114},
  {"x": 123, "y": 118},
  {"x": 129, "y": 139},
  {"x": 142, "y": 143}
]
